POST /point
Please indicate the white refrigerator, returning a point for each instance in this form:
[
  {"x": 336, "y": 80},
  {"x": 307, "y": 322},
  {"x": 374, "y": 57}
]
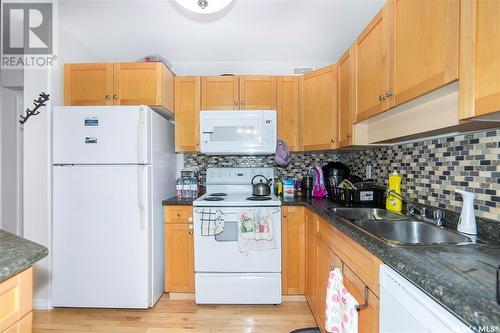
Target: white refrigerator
[{"x": 112, "y": 167}]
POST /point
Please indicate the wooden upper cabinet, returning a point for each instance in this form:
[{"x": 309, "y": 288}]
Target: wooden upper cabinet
[
  {"x": 293, "y": 247},
  {"x": 220, "y": 93},
  {"x": 131, "y": 83},
  {"x": 257, "y": 92},
  {"x": 346, "y": 97},
  {"x": 479, "y": 58},
  {"x": 426, "y": 35},
  {"x": 238, "y": 93},
  {"x": 148, "y": 83},
  {"x": 187, "y": 113},
  {"x": 372, "y": 66},
  {"x": 88, "y": 84},
  {"x": 288, "y": 110},
  {"x": 320, "y": 113}
]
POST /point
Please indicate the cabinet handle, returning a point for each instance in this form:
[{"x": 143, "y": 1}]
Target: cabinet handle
[
  {"x": 348, "y": 135},
  {"x": 388, "y": 94},
  {"x": 332, "y": 140},
  {"x": 190, "y": 219},
  {"x": 382, "y": 98},
  {"x": 115, "y": 96},
  {"x": 179, "y": 214},
  {"x": 190, "y": 227},
  {"x": 108, "y": 97},
  {"x": 235, "y": 102},
  {"x": 284, "y": 215},
  {"x": 242, "y": 102}
]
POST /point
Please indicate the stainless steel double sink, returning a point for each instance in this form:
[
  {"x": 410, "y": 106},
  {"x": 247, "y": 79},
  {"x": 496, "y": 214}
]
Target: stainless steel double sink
[{"x": 396, "y": 229}]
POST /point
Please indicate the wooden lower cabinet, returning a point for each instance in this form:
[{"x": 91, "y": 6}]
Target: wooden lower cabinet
[
  {"x": 293, "y": 248},
  {"x": 24, "y": 325},
  {"x": 16, "y": 296},
  {"x": 326, "y": 260},
  {"x": 368, "y": 320},
  {"x": 311, "y": 229},
  {"x": 328, "y": 248},
  {"x": 179, "y": 249}
]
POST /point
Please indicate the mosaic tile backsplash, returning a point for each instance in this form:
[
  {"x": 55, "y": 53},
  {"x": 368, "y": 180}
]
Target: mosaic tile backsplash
[{"x": 431, "y": 170}]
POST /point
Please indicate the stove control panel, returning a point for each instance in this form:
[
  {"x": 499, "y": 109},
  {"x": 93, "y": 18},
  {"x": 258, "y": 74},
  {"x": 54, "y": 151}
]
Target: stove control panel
[{"x": 230, "y": 176}]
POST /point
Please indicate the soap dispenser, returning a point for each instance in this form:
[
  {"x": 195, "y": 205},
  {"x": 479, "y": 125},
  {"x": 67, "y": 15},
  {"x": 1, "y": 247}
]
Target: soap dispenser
[{"x": 467, "y": 221}]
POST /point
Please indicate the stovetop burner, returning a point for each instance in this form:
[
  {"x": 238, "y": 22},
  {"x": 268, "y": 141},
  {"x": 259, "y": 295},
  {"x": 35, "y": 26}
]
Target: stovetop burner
[
  {"x": 213, "y": 199},
  {"x": 263, "y": 198},
  {"x": 218, "y": 195}
]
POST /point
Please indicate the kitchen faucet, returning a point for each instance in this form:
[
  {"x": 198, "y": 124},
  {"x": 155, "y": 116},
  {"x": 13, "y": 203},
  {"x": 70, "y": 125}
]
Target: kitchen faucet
[{"x": 438, "y": 215}]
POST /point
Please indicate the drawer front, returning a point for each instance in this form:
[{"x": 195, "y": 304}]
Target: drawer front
[
  {"x": 25, "y": 325},
  {"x": 15, "y": 298},
  {"x": 361, "y": 262},
  {"x": 178, "y": 214}
]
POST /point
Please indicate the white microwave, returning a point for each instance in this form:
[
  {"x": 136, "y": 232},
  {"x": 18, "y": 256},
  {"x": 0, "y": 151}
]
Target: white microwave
[{"x": 238, "y": 132}]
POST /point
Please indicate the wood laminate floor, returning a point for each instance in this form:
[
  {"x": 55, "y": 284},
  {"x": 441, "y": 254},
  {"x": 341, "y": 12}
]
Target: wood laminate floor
[{"x": 178, "y": 316}]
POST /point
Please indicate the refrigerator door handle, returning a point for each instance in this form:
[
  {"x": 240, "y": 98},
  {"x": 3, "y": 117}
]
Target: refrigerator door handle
[
  {"x": 140, "y": 135},
  {"x": 142, "y": 203}
]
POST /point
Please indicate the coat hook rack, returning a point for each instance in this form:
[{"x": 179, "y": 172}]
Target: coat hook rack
[{"x": 39, "y": 102}]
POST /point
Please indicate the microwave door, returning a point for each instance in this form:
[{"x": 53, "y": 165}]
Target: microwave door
[{"x": 236, "y": 133}]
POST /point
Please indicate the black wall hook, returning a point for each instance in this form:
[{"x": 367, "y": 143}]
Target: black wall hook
[{"x": 42, "y": 98}]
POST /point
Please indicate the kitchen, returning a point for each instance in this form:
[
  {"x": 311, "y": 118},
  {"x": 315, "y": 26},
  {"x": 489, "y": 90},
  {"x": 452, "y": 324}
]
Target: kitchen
[{"x": 398, "y": 110}]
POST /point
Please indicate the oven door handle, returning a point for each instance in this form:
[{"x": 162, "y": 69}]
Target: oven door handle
[{"x": 226, "y": 212}]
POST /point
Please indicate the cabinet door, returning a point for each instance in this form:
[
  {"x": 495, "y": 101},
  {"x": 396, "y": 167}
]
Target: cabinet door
[
  {"x": 425, "y": 47},
  {"x": 88, "y": 84},
  {"x": 257, "y": 92},
  {"x": 479, "y": 58},
  {"x": 187, "y": 112},
  {"x": 311, "y": 229},
  {"x": 368, "y": 320},
  {"x": 372, "y": 66},
  {"x": 138, "y": 83},
  {"x": 320, "y": 114},
  {"x": 16, "y": 295},
  {"x": 219, "y": 93},
  {"x": 293, "y": 248},
  {"x": 346, "y": 97},
  {"x": 326, "y": 261},
  {"x": 24, "y": 325},
  {"x": 179, "y": 261},
  {"x": 288, "y": 111}
]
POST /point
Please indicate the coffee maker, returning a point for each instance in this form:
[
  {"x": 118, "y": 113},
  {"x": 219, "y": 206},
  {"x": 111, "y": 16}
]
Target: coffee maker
[{"x": 334, "y": 173}]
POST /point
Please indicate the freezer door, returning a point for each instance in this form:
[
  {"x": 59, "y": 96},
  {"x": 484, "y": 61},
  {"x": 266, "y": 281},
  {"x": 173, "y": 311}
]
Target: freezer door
[
  {"x": 101, "y": 252},
  {"x": 101, "y": 135}
]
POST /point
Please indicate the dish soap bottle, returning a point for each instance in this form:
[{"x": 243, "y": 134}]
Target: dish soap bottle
[
  {"x": 467, "y": 221},
  {"x": 394, "y": 203}
]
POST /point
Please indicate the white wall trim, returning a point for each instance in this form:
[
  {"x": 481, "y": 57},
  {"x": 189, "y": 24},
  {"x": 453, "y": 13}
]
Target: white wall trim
[{"x": 42, "y": 304}]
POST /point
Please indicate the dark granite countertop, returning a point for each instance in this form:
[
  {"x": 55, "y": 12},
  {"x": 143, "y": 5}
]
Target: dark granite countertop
[
  {"x": 17, "y": 254},
  {"x": 460, "y": 278},
  {"x": 174, "y": 201}
]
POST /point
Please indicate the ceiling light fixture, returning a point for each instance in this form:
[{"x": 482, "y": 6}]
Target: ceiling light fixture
[{"x": 204, "y": 6}]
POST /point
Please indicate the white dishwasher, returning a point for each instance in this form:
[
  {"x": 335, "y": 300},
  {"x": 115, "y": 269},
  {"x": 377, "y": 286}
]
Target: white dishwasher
[{"x": 404, "y": 308}]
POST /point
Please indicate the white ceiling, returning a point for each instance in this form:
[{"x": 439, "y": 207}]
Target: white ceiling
[{"x": 295, "y": 32}]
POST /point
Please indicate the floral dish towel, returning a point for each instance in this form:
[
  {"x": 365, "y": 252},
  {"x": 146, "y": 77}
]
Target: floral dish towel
[
  {"x": 255, "y": 230},
  {"x": 341, "y": 315}
]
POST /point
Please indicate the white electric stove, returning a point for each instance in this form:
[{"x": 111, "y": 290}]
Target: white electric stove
[{"x": 223, "y": 274}]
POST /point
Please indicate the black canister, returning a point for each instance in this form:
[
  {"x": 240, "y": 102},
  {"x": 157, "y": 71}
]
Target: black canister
[{"x": 307, "y": 186}]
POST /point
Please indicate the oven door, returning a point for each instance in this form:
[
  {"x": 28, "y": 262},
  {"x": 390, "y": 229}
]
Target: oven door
[
  {"x": 220, "y": 253},
  {"x": 238, "y": 132}
]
